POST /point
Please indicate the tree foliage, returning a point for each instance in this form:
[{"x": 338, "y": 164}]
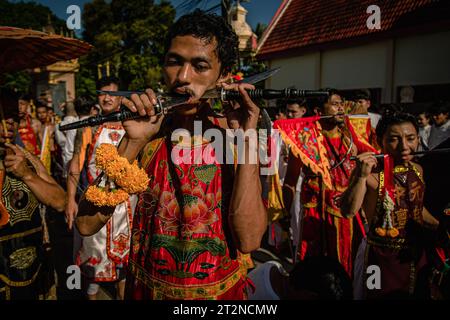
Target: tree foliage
[
  {"x": 28, "y": 15},
  {"x": 129, "y": 34},
  {"x": 259, "y": 30}
]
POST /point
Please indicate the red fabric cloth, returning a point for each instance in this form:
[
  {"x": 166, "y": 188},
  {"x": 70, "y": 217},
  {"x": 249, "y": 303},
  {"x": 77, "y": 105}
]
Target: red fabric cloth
[
  {"x": 325, "y": 231},
  {"x": 401, "y": 258},
  {"x": 183, "y": 254},
  {"x": 29, "y": 138},
  {"x": 303, "y": 137}
]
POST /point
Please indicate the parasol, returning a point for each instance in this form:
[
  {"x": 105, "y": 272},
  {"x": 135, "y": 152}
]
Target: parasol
[{"x": 23, "y": 49}]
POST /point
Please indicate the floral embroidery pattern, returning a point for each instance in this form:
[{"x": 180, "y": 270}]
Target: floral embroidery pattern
[{"x": 198, "y": 213}]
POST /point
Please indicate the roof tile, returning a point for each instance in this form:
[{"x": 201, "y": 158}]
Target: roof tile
[{"x": 305, "y": 22}]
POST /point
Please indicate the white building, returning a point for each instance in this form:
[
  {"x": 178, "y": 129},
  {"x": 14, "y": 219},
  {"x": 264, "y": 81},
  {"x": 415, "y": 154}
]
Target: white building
[{"x": 327, "y": 43}]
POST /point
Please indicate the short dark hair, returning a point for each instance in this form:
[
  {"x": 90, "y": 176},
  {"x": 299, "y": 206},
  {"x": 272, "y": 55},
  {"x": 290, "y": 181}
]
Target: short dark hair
[
  {"x": 393, "y": 115},
  {"x": 106, "y": 81},
  {"x": 83, "y": 105},
  {"x": 362, "y": 94},
  {"x": 25, "y": 97},
  {"x": 207, "y": 26},
  {"x": 41, "y": 103},
  {"x": 300, "y": 102},
  {"x": 319, "y": 102},
  {"x": 425, "y": 113},
  {"x": 324, "y": 276}
]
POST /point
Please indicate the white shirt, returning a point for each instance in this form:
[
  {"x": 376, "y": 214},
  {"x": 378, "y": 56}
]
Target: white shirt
[
  {"x": 424, "y": 134},
  {"x": 374, "y": 118},
  {"x": 66, "y": 140},
  {"x": 261, "y": 278}
]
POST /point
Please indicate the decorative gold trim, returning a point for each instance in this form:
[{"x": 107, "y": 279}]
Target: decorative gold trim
[
  {"x": 19, "y": 283},
  {"x": 313, "y": 166},
  {"x": 418, "y": 173},
  {"x": 337, "y": 225},
  {"x": 21, "y": 234},
  {"x": 403, "y": 169},
  {"x": 333, "y": 212},
  {"x": 201, "y": 291},
  {"x": 396, "y": 244}
]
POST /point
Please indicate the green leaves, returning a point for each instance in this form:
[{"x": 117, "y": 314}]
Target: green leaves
[
  {"x": 205, "y": 265},
  {"x": 200, "y": 275},
  {"x": 21, "y": 81},
  {"x": 129, "y": 34},
  {"x": 205, "y": 173}
]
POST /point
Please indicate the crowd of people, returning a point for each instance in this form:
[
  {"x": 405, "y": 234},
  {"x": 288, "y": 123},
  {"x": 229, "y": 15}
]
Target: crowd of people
[{"x": 150, "y": 227}]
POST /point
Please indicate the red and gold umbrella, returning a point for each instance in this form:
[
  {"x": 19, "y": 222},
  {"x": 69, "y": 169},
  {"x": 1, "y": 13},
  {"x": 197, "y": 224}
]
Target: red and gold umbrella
[{"x": 23, "y": 49}]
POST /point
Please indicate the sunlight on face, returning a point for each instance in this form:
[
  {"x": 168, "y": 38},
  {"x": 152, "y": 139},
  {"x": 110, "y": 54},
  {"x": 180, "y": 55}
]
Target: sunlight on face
[
  {"x": 191, "y": 67},
  {"x": 400, "y": 141}
]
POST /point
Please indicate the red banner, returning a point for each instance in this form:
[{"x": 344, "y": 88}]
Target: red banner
[{"x": 303, "y": 136}]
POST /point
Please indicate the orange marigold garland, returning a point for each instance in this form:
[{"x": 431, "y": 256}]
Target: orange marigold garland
[
  {"x": 129, "y": 177},
  {"x": 102, "y": 198}
]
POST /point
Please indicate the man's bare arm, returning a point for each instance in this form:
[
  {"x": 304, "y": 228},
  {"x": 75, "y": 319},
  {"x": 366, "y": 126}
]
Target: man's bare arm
[
  {"x": 45, "y": 189},
  {"x": 50, "y": 194},
  {"x": 353, "y": 197},
  {"x": 248, "y": 215}
]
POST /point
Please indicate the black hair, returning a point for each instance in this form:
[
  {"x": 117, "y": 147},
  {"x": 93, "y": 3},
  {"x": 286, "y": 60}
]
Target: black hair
[
  {"x": 207, "y": 27},
  {"x": 426, "y": 113},
  {"x": 83, "y": 105},
  {"x": 440, "y": 107},
  {"x": 106, "y": 81},
  {"x": 25, "y": 97},
  {"x": 41, "y": 103},
  {"x": 319, "y": 102},
  {"x": 393, "y": 115},
  {"x": 362, "y": 94},
  {"x": 301, "y": 102},
  {"x": 324, "y": 276}
]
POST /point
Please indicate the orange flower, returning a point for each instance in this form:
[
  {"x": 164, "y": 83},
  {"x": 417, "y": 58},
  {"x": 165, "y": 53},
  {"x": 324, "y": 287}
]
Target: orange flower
[
  {"x": 393, "y": 233},
  {"x": 381, "y": 232},
  {"x": 104, "y": 154},
  {"x": 130, "y": 177},
  {"x": 101, "y": 198},
  {"x": 134, "y": 180}
]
